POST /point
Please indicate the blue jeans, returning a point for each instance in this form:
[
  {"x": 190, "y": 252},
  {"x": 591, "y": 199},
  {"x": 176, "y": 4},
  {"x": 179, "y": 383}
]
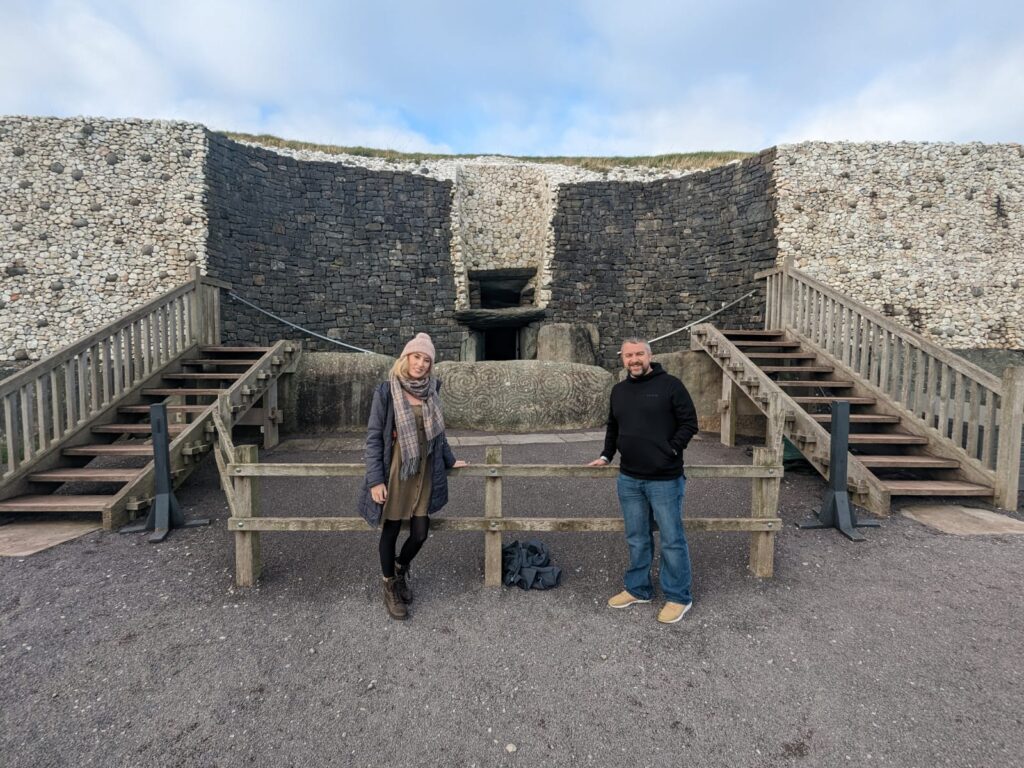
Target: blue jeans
[{"x": 642, "y": 502}]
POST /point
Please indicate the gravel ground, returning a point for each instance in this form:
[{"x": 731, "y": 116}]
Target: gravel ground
[{"x": 905, "y": 650}]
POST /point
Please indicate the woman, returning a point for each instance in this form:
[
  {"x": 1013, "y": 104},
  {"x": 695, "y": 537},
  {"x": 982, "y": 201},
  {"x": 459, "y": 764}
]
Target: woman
[{"x": 407, "y": 455}]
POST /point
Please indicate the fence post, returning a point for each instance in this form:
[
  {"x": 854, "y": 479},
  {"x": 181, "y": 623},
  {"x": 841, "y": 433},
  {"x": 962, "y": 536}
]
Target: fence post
[
  {"x": 492, "y": 509},
  {"x": 729, "y": 409},
  {"x": 764, "y": 495},
  {"x": 247, "y": 543},
  {"x": 786, "y": 302},
  {"x": 215, "y": 318},
  {"x": 198, "y": 306},
  {"x": 270, "y": 418},
  {"x": 1010, "y": 424}
]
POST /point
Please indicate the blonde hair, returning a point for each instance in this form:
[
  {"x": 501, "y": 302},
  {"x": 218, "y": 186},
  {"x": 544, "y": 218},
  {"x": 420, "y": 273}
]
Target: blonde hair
[{"x": 400, "y": 369}]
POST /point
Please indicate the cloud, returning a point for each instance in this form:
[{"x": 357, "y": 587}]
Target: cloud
[
  {"x": 970, "y": 94},
  {"x": 199, "y": 61},
  {"x": 533, "y": 77}
]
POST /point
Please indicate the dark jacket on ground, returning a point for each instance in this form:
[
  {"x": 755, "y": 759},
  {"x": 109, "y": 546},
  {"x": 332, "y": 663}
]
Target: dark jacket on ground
[
  {"x": 650, "y": 422},
  {"x": 380, "y": 444}
]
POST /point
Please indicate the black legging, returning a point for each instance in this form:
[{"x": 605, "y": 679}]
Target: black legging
[{"x": 418, "y": 528}]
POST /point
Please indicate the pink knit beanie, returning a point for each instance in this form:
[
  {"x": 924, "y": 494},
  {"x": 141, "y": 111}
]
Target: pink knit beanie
[{"x": 420, "y": 343}]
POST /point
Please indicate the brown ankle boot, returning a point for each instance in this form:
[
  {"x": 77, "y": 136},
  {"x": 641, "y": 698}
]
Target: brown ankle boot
[
  {"x": 402, "y": 582},
  {"x": 396, "y": 608}
]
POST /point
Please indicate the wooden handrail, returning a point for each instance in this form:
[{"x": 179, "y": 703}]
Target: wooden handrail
[
  {"x": 954, "y": 361},
  {"x": 497, "y": 470},
  {"x": 44, "y": 366},
  {"x": 974, "y": 410},
  {"x": 48, "y": 402}
]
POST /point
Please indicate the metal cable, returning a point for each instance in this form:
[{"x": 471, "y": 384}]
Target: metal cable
[
  {"x": 236, "y": 297},
  {"x": 706, "y": 317}
]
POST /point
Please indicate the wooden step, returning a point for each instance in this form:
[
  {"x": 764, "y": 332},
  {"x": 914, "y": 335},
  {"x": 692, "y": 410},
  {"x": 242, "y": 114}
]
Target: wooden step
[
  {"x": 781, "y": 355},
  {"x": 818, "y": 400},
  {"x": 824, "y": 384},
  {"x": 906, "y": 462},
  {"x": 796, "y": 368},
  {"x": 882, "y": 439},
  {"x": 136, "y": 448},
  {"x": 786, "y": 344},
  {"x": 203, "y": 376},
  {"x": 182, "y": 391},
  {"x": 134, "y": 429},
  {"x": 85, "y": 475},
  {"x": 730, "y": 332},
  {"x": 54, "y": 503},
  {"x": 859, "y": 418},
  {"x": 935, "y": 488},
  {"x": 233, "y": 363},
  {"x": 257, "y": 351},
  {"x": 170, "y": 408}
]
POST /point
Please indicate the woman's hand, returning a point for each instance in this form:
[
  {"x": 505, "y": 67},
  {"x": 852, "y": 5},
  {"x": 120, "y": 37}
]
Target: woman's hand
[
  {"x": 379, "y": 493},
  {"x": 460, "y": 463}
]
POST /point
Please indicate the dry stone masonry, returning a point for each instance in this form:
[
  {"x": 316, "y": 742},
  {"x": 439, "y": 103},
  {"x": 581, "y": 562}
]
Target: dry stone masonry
[
  {"x": 96, "y": 218},
  {"x": 355, "y": 254},
  {"x": 647, "y": 258},
  {"x": 99, "y": 216}
]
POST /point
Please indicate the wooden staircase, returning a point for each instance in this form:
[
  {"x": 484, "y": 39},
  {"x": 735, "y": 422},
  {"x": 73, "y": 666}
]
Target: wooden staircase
[
  {"x": 127, "y": 441},
  {"x": 924, "y": 421},
  {"x": 74, "y": 429},
  {"x": 899, "y": 460}
]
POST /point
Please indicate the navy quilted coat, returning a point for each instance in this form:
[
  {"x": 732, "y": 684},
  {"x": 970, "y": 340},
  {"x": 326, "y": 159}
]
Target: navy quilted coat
[{"x": 380, "y": 443}]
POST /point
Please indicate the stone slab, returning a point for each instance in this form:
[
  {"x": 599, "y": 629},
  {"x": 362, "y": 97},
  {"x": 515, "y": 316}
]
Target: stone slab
[
  {"x": 27, "y": 538},
  {"x": 963, "y": 521}
]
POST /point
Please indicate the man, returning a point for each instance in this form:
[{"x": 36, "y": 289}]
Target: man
[{"x": 650, "y": 422}]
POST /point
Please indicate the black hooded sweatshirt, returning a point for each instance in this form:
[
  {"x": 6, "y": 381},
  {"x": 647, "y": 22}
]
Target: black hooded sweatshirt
[{"x": 650, "y": 421}]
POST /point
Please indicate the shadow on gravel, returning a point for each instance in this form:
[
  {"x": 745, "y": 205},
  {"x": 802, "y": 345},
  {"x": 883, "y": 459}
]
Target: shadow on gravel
[{"x": 902, "y": 651}]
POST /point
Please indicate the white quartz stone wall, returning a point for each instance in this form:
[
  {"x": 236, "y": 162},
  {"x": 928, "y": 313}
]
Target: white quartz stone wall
[
  {"x": 501, "y": 218},
  {"x": 96, "y": 218},
  {"x": 932, "y": 234}
]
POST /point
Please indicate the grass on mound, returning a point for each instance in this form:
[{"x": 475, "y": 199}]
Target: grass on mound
[{"x": 684, "y": 161}]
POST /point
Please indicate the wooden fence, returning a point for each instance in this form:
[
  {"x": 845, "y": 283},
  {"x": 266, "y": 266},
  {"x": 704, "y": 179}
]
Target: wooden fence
[
  {"x": 241, "y": 475},
  {"x": 960, "y": 402}
]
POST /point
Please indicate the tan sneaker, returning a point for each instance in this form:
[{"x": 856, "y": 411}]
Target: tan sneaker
[
  {"x": 624, "y": 599},
  {"x": 673, "y": 612}
]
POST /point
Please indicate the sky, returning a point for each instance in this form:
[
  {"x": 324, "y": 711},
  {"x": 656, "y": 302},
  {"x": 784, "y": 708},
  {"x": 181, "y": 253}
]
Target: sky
[{"x": 630, "y": 77}]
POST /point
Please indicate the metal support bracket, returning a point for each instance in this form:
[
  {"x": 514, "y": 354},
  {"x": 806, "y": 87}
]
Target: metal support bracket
[
  {"x": 164, "y": 512},
  {"x": 836, "y": 510}
]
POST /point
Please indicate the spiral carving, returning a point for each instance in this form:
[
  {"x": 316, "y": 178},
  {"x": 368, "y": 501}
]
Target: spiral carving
[{"x": 524, "y": 395}]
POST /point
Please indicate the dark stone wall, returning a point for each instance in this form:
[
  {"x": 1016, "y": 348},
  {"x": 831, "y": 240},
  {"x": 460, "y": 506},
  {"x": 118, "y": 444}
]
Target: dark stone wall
[
  {"x": 354, "y": 254},
  {"x": 646, "y": 258}
]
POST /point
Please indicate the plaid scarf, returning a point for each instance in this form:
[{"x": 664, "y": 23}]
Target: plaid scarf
[{"x": 405, "y": 420}]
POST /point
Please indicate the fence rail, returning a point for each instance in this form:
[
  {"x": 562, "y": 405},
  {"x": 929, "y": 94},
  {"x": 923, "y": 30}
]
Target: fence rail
[
  {"x": 42, "y": 406},
  {"x": 962, "y": 403},
  {"x": 241, "y": 475}
]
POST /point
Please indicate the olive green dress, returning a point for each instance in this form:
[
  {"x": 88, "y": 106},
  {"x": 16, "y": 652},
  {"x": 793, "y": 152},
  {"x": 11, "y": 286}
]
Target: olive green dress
[{"x": 410, "y": 497}]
